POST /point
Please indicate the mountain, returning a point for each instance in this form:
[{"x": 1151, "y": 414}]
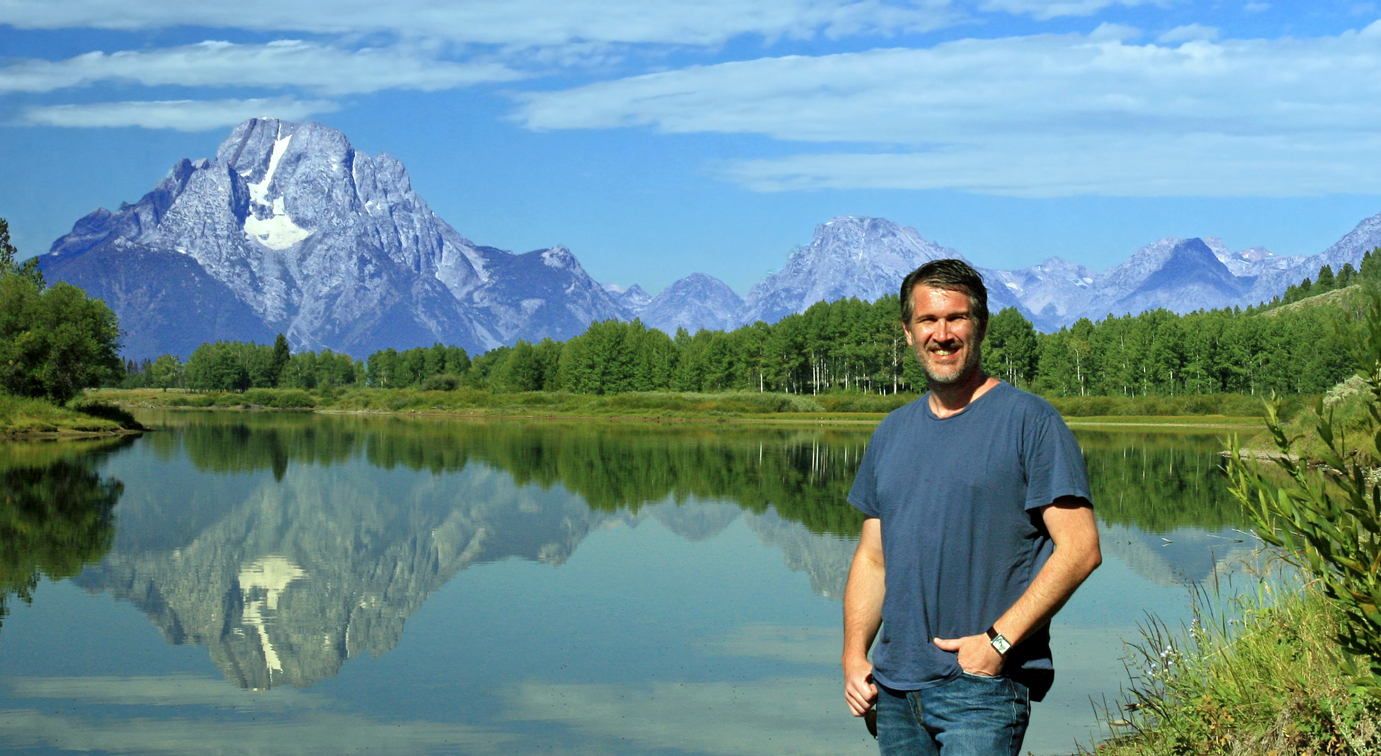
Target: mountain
[
  {"x": 854, "y": 257},
  {"x": 695, "y": 302},
  {"x": 1050, "y": 290},
  {"x": 1182, "y": 275},
  {"x": 633, "y": 298},
  {"x": 290, "y": 229}
]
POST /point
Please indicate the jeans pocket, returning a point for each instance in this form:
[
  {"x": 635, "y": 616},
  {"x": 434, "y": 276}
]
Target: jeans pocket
[{"x": 976, "y": 676}]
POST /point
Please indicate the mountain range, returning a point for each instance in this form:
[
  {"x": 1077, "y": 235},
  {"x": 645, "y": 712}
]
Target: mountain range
[{"x": 289, "y": 229}]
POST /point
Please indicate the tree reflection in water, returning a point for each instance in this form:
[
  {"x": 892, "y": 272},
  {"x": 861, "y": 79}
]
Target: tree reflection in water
[{"x": 56, "y": 516}]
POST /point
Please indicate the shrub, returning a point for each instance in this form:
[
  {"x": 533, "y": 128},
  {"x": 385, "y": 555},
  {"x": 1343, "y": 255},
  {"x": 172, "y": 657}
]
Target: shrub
[
  {"x": 1327, "y": 516},
  {"x": 442, "y": 382}
]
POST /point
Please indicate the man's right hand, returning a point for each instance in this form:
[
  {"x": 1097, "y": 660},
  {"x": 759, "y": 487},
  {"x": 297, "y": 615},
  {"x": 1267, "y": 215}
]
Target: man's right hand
[{"x": 859, "y": 689}]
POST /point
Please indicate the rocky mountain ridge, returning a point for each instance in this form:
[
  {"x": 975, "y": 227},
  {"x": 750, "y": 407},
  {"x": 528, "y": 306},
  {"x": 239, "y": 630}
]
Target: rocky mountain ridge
[{"x": 290, "y": 229}]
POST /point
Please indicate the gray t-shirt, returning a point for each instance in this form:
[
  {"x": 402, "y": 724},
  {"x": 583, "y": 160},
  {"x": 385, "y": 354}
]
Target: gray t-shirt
[{"x": 959, "y": 502}]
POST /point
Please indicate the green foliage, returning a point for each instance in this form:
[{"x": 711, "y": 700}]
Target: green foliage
[
  {"x": 54, "y": 342},
  {"x": 279, "y": 361},
  {"x": 27, "y": 270},
  {"x": 1228, "y": 405},
  {"x": 1255, "y": 675},
  {"x": 1328, "y": 516},
  {"x": 1010, "y": 349}
]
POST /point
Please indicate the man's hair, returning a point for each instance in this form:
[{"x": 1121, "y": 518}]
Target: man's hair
[{"x": 950, "y": 275}]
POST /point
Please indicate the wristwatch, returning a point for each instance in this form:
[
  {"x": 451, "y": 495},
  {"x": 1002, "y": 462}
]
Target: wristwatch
[{"x": 1000, "y": 644}]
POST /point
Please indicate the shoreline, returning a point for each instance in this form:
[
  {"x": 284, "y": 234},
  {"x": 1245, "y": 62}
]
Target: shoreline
[{"x": 1175, "y": 423}]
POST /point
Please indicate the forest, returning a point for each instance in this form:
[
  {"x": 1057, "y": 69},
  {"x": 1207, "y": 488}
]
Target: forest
[{"x": 1283, "y": 347}]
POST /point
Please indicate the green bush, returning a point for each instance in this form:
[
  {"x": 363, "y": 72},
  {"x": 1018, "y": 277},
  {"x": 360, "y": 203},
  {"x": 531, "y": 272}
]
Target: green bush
[
  {"x": 1326, "y": 513},
  {"x": 293, "y": 399},
  {"x": 1231, "y": 405},
  {"x": 259, "y": 397},
  {"x": 441, "y": 382}
]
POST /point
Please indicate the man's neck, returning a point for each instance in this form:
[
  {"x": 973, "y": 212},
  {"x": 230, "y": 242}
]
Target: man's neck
[{"x": 947, "y": 399}]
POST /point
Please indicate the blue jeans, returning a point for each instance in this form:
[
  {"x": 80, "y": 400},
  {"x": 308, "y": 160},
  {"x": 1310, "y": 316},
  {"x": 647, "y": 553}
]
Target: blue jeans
[{"x": 966, "y": 716}]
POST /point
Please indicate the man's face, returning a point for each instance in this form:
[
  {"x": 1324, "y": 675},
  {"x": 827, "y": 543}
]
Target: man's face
[{"x": 944, "y": 334}]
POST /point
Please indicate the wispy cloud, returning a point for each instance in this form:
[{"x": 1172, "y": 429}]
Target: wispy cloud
[
  {"x": 517, "y": 23},
  {"x": 1188, "y": 33},
  {"x": 281, "y": 64},
  {"x": 182, "y": 115},
  {"x": 1045, "y": 10},
  {"x": 1042, "y": 115}
]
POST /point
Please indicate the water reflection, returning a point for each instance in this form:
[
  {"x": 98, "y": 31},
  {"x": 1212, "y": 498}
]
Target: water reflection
[
  {"x": 640, "y": 581},
  {"x": 1163, "y": 504},
  {"x": 55, "y": 514},
  {"x": 287, "y": 544}
]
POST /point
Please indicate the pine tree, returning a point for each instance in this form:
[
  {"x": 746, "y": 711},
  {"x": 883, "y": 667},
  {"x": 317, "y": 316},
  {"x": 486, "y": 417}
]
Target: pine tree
[{"x": 281, "y": 355}]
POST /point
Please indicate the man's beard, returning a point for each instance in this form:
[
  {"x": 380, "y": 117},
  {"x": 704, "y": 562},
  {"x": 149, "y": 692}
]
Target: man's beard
[{"x": 951, "y": 375}]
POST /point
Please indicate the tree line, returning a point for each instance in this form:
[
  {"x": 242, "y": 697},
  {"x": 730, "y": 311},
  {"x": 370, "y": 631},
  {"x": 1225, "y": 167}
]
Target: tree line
[{"x": 847, "y": 345}]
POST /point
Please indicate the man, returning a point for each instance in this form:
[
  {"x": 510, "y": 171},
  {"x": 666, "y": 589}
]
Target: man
[{"x": 978, "y": 528}]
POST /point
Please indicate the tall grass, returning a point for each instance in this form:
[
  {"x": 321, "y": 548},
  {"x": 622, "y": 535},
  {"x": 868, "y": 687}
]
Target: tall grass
[
  {"x": 1257, "y": 674},
  {"x": 22, "y": 416}
]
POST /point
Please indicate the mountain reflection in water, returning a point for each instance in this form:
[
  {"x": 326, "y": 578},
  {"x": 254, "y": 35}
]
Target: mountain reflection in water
[{"x": 292, "y": 543}]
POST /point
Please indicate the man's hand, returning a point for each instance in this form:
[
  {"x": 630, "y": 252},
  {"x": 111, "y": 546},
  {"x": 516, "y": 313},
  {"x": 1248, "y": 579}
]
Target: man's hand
[
  {"x": 859, "y": 689},
  {"x": 863, "y": 616},
  {"x": 976, "y": 654}
]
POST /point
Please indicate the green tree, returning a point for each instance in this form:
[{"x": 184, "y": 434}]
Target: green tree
[
  {"x": 281, "y": 355},
  {"x": 165, "y": 372},
  {"x": 1009, "y": 348},
  {"x": 1326, "y": 279},
  {"x": 54, "y": 342},
  {"x": 8, "y": 263}
]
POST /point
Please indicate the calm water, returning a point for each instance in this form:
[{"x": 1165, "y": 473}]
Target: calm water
[{"x": 309, "y": 584}]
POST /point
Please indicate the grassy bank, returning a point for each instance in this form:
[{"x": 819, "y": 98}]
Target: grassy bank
[
  {"x": 1258, "y": 676},
  {"x": 1217, "y": 412},
  {"x": 35, "y": 418}
]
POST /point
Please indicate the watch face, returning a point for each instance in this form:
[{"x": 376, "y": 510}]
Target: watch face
[{"x": 1000, "y": 643}]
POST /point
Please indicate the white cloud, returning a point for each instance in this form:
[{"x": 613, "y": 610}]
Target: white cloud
[
  {"x": 1188, "y": 33},
  {"x": 804, "y": 715},
  {"x": 182, "y": 115},
  {"x": 1044, "y": 10},
  {"x": 517, "y": 23},
  {"x": 285, "y": 63},
  {"x": 796, "y": 644},
  {"x": 288, "y": 722},
  {"x": 1041, "y": 115}
]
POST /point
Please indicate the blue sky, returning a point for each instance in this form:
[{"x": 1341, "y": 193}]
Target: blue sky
[{"x": 658, "y": 139}]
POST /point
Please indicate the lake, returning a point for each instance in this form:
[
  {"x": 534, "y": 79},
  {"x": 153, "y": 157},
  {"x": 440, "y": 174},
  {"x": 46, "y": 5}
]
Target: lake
[{"x": 302, "y": 584}]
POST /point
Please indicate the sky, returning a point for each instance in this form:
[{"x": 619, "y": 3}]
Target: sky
[{"x": 660, "y": 139}]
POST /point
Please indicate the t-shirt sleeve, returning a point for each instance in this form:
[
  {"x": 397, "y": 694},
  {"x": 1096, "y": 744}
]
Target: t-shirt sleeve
[
  {"x": 1054, "y": 462},
  {"x": 864, "y": 493}
]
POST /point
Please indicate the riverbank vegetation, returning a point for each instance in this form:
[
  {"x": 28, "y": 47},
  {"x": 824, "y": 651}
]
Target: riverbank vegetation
[
  {"x": 1210, "y": 412},
  {"x": 1257, "y": 675},
  {"x": 54, "y": 342},
  {"x": 1295, "y": 670}
]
